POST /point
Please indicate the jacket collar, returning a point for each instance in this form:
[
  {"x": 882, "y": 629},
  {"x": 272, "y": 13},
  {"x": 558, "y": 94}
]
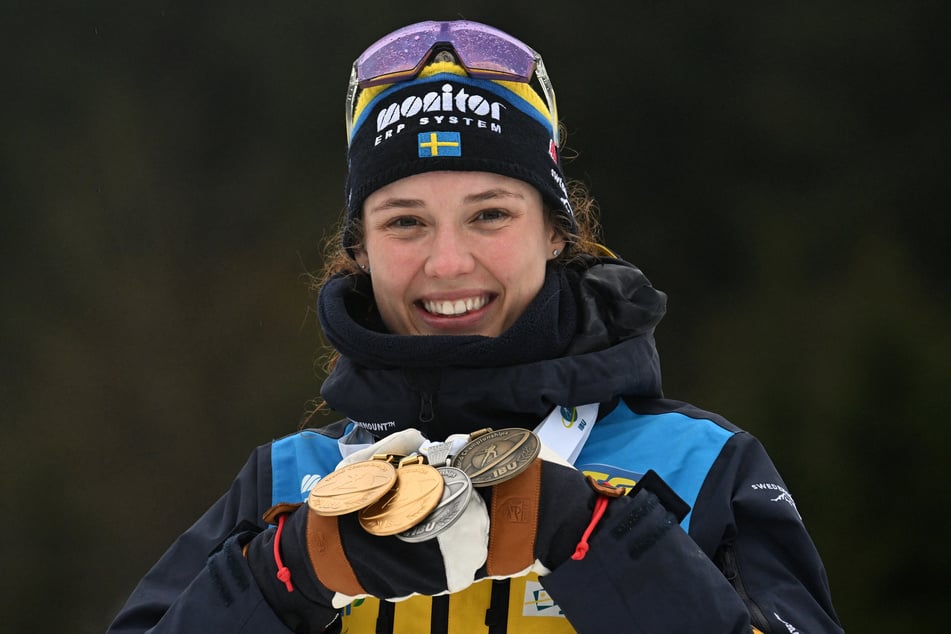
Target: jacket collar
[{"x": 586, "y": 338}]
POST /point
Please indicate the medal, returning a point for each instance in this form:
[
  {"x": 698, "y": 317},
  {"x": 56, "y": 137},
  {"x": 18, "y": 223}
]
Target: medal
[
  {"x": 497, "y": 456},
  {"x": 352, "y": 487},
  {"x": 455, "y": 499},
  {"x": 417, "y": 491}
]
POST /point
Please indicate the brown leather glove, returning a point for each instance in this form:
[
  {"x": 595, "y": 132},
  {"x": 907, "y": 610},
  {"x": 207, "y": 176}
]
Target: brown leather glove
[{"x": 539, "y": 518}]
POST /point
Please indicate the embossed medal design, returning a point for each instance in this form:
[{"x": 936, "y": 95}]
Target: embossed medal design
[
  {"x": 352, "y": 487},
  {"x": 455, "y": 498},
  {"x": 497, "y": 456},
  {"x": 417, "y": 491}
]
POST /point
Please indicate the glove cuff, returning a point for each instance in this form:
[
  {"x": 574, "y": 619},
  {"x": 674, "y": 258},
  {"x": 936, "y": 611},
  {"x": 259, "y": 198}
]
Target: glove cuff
[
  {"x": 307, "y": 606},
  {"x": 514, "y": 525},
  {"x": 527, "y": 526},
  {"x": 328, "y": 558}
]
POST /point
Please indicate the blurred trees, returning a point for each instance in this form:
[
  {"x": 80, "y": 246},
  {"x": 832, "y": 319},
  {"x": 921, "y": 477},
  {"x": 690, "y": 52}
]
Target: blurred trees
[{"x": 169, "y": 170}]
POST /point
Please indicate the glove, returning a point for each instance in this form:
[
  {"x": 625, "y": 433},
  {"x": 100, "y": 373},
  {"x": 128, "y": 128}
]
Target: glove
[
  {"x": 297, "y": 598},
  {"x": 330, "y": 561},
  {"x": 538, "y": 519}
]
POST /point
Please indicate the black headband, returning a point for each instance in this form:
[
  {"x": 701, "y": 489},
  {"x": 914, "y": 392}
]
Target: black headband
[{"x": 448, "y": 121}]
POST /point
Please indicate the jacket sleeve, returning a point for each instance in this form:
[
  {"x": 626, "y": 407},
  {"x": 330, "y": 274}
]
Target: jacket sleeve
[
  {"x": 202, "y": 583},
  {"x": 644, "y": 573},
  {"x": 747, "y": 521}
]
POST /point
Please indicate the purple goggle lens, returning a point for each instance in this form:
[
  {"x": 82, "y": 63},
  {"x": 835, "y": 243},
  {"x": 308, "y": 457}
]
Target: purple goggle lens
[{"x": 482, "y": 50}]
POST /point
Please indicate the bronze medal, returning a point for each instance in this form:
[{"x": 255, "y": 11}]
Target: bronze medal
[
  {"x": 497, "y": 456},
  {"x": 352, "y": 487},
  {"x": 417, "y": 491},
  {"x": 455, "y": 498}
]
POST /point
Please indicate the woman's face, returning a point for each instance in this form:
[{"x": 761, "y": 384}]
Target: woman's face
[{"x": 455, "y": 253}]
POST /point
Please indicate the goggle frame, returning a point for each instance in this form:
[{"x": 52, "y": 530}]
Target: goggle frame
[{"x": 457, "y": 36}]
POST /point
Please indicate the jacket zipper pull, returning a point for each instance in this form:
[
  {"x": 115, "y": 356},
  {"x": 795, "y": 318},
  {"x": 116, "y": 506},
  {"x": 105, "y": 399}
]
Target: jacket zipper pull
[{"x": 426, "y": 408}]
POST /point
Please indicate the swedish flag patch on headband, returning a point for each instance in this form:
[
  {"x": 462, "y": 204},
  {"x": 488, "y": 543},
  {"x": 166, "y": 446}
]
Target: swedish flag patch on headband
[{"x": 439, "y": 144}]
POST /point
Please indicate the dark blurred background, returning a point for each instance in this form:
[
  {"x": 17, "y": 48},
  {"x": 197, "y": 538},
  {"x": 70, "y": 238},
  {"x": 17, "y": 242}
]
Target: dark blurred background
[{"x": 169, "y": 169}]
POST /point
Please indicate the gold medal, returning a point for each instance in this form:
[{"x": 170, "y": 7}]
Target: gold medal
[
  {"x": 455, "y": 498},
  {"x": 352, "y": 487},
  {"x": 417, "y": 491},
  {"x": 497, "y": 456}
]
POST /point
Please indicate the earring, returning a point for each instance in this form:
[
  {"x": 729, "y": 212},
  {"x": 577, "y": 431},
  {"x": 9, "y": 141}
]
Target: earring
[
  {"x": 555, "y": 252},
  {"x": 366, "y": 269}
]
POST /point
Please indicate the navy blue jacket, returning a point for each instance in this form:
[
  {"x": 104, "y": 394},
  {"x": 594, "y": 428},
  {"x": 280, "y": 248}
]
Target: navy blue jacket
[{"x": 739, "y": 560}]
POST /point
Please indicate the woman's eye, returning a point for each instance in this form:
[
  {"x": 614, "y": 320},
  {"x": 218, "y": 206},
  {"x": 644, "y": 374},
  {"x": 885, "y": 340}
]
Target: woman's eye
[
  {"x": 403, "y": 221},
  {"x": 490, "y": 215}
]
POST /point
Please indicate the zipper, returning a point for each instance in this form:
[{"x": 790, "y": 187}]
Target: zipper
[
  {"x": 731, "y": 570},
  {"x": 426, "y": 384},
  {"x": 426, "y": 407}
]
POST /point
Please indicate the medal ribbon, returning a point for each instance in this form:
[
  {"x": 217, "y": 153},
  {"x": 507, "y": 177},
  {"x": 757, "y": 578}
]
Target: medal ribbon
[{"x": 566, "y": 430}]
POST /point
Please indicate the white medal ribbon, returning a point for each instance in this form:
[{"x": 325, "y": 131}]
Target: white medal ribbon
[
  {"x": 437, "y": 453},
  {"x": 566, "y": 430},
  {"x": 348, "y": 450}
]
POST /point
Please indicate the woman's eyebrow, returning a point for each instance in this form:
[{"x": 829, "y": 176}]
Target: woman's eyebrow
[
  {"x": 490, "y": 194},
  {"x": 415, "y": 203},
  {"x": 398, "y": 203}
]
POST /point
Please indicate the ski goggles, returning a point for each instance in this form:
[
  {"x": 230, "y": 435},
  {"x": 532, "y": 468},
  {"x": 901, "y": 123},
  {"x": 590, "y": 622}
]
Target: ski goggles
[{"x": 483, "y": 51}]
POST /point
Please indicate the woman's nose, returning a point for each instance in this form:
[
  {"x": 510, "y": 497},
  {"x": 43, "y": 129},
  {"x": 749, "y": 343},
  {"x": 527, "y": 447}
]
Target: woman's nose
[{"x": 449, "y": 254}]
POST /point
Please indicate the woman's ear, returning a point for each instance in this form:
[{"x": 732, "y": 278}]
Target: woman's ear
[
  {"x": 558, "y": 242},
  {"x": 362, "y": 259}
]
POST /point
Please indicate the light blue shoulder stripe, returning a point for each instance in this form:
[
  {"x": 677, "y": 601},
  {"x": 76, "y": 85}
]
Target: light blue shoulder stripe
[
  {"x": 680, "y": 449},
  {"x": 298, "y": 461}
]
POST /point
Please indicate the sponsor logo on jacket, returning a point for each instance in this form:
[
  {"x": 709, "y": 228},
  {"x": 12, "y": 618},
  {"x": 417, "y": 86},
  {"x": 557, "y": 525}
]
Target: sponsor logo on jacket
[
  {"x": 783, "y": 496},
  {"x": 609, "y": 474}
]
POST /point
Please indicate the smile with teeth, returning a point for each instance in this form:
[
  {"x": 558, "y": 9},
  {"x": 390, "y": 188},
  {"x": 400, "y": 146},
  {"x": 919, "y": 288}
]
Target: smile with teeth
[{"x": 454, "y": 308}]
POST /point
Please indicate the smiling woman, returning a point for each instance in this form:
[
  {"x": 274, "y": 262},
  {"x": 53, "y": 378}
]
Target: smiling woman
[
  {"x": 466, "y": 291},
  {"x": 456, "y": 252}
]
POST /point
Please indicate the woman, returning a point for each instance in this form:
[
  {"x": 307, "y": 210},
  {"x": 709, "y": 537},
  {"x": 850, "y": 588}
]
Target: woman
[{"x": 469, "y": 293}]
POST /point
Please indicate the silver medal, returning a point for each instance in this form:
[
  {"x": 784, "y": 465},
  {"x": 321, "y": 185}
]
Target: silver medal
[{"x": 455, "y": 498}]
